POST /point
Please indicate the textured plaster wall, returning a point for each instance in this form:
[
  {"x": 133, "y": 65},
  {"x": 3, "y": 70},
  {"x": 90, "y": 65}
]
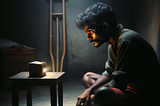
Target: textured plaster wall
[
  {"x": 147, "y": 19},
  {"x": 27, "y": 22}
]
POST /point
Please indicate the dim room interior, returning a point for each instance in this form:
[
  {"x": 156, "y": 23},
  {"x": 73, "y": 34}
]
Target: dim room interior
[{"x": 26, "y": 32}]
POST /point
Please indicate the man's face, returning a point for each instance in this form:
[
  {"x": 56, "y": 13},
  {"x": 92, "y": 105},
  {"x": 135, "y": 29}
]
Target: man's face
[{"x": 95, "y": 36}]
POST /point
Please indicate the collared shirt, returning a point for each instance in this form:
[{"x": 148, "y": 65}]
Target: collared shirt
[{"x": 132, "y": 62}]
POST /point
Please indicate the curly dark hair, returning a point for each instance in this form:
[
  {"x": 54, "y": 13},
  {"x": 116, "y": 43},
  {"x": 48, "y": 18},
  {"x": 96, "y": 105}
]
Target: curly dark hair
[{"x": 96, "y": 14}]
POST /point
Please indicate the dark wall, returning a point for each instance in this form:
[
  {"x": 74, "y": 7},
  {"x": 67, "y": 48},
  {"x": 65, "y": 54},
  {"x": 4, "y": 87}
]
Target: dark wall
[
  {"x": 27, "y": 22},
  {"x": 158, "y": 45},
  {"x": 146, "y": 18}
]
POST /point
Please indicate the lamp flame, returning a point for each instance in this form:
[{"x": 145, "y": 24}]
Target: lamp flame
[{"x": 44, "y": 69}]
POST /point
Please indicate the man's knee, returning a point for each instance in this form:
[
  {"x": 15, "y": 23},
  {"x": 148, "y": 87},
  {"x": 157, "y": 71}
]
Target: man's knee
[
  {"x": 89, "y": 78},
  {"x": 105, "y": 96},
  {"x": 86, "y": 76},
  {"x": 85, "y": 79}
]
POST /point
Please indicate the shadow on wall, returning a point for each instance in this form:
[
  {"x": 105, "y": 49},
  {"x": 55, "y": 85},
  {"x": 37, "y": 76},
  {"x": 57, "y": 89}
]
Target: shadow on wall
[{"x": 158, "y": 45}]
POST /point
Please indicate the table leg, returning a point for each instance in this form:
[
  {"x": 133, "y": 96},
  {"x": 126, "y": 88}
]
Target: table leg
[
  {"x": 29, "y": 96},
  {"x": 53, "y": 94},
  {"x": 60, "y": 94},
  {"x": 15, "y": 95}
]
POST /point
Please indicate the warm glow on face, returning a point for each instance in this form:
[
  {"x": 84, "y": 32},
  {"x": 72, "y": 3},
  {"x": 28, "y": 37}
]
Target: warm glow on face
[
  {"x": 96, "y": 39},
  {"x": 90, "y": 32},
  {"x": 44, "y": 69}
]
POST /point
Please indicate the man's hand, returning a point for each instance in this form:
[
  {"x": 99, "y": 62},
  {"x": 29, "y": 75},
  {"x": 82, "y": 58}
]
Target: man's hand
[{"x": 84, "y": 98}]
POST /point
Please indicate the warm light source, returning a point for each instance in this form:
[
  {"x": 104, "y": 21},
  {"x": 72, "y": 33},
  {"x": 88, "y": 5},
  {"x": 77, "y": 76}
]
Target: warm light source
[
  {"x": 37, "y": 69},
  {"x": 44, "y": 69}
]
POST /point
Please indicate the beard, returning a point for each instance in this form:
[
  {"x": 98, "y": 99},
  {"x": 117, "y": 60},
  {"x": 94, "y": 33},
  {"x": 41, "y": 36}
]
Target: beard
[{"x": 97, "y": 43}]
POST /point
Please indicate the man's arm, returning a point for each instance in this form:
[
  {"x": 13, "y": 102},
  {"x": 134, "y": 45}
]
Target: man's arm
[
  {"x": 103, "y": 79},
  {"x": 86, "y": 94}
]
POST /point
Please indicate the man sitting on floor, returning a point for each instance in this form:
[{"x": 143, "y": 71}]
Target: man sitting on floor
[{"x": 131, "y": 76}]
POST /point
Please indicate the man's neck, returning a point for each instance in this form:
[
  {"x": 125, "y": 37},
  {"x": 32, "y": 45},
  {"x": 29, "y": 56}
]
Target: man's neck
[{"x": 111, "y": 41}]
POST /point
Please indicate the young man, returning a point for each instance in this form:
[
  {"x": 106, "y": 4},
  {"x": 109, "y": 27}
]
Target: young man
[{"x": 132, "y": 71}]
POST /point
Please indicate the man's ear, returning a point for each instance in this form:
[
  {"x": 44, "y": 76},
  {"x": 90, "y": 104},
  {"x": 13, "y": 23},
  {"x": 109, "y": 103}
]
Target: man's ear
[{"x": 105, "y": 24}]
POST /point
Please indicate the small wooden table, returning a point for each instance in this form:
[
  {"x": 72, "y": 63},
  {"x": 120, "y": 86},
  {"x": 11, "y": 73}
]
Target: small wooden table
[{"x": 51, "y": 79}]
